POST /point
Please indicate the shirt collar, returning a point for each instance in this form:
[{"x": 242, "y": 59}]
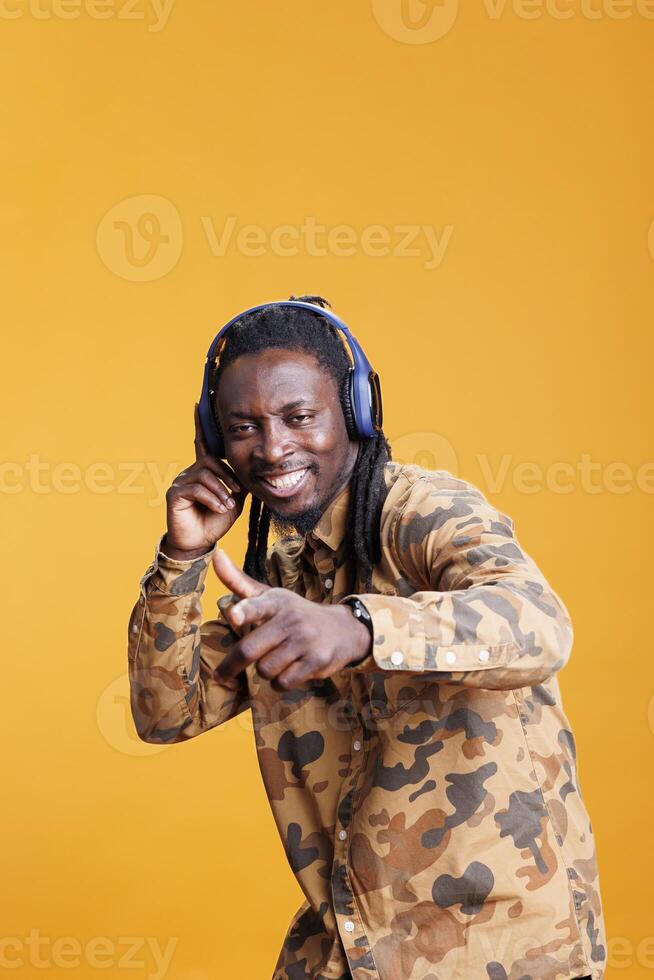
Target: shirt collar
[{"x": 330, "y": 529}]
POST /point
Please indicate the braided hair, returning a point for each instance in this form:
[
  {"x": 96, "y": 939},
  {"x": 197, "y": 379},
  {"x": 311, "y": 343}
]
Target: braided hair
[{"x": 294, "y": 328}]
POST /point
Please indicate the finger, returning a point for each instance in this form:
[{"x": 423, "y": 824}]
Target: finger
[
  {"x": 208, "y": 479},
  {"x": 273, "y": 663},
  {"x": 200, "y": 445},
  {"x": 298, "y": 673},
  {"x": 208, "y": 465},
  {"x": 179, "y": 479},
  {"x": 254, "y": 610},
  {"x": 226, "y": 473},
  {"x": 234, "y": 578},
  {"x": 250, "y": 649},
  {"x": 222, "y": 470},
  {"x": 202, "y": 453},
  {"x": 198, "y": 493}
]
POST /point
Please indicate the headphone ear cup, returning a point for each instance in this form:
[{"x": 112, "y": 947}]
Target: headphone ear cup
[
  {"x": 211, "y": 431},
  {"x": 218, "y": 441},
  {"x": 348, "y": 406}
]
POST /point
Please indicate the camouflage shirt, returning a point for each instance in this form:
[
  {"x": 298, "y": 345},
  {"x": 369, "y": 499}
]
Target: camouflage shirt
[{"x": 427, "y": 798}]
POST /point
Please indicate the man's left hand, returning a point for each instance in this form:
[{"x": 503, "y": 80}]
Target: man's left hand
[{"x": 292, "y": 640}]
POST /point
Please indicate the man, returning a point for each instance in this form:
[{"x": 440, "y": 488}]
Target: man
[{"x": 399, "y": 652}]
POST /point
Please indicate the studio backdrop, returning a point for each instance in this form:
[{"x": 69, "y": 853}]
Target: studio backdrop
[{"x": 470, "y": 186}]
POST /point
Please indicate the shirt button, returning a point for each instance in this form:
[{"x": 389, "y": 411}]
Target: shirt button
[
  {"x": 328, "y": 583},
  {"x": 356, "y": 744},
  {"x": 342, "y": 834},
  {"x": 450, "y": 656},
  {"x": 135, "y": 628},
  {"x": 349, "y": 926},
  {"x": 397, "y": 657},
  {"x": 484, "y": 655}
]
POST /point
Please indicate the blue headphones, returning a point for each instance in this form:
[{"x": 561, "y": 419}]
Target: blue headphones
[{"x": 360, "y": 397}]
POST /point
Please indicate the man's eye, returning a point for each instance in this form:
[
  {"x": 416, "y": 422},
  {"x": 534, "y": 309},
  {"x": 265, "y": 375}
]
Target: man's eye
[
  {"x": 300, "y": 417},
  {"x": 243, "y": 427}
]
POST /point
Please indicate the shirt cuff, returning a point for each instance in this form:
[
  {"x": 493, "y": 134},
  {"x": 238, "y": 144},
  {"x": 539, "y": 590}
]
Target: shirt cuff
[
  {"x": 400, "y": 643},
  {"x": 173, "y": 577}
]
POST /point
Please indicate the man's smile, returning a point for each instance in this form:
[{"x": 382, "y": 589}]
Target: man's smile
[{"x": 285, "y": 484}]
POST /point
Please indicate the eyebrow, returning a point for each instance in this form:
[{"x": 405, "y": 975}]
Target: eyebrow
[{"x": 298, "y": 403}]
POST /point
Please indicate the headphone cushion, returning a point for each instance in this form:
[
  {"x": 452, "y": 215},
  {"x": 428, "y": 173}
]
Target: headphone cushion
[
  {"x": 211, "y": 431},
  {"x": 345, "y": 395},
  {"x": 218, "y": 436}
]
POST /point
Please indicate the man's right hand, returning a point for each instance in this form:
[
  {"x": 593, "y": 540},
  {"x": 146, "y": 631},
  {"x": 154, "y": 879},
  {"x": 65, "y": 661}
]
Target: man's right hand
[{"x": 200, "y": 506}]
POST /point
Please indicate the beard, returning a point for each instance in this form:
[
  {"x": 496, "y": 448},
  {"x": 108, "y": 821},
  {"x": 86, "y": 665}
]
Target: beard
[
  {"x": 300, "y": 523},
  {"x": 303, "y": 521}
]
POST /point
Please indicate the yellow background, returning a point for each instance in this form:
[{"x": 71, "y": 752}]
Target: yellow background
[{"x": 530, "y": 342}]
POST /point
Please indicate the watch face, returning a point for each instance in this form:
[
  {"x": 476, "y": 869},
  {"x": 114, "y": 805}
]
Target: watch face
[{"x": 361, "y": 612}]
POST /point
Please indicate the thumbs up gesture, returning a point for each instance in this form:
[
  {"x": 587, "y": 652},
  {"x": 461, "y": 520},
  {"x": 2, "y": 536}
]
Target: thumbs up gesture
[{"x": 291, "y": 640}]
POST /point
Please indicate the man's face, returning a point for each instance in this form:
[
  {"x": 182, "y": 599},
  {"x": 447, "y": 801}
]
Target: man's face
[{"x": 285, "y": 435}]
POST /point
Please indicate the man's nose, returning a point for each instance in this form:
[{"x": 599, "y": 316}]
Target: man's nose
[{"x": 274, "y": 443}]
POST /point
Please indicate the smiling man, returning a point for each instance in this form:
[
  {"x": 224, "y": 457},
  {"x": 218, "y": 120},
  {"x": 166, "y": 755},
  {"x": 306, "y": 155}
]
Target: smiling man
[{"x": 398, "y": 650}]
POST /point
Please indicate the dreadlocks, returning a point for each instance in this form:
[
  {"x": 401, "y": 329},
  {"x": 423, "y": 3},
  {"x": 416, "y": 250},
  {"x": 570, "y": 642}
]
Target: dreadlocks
[{"x": 294, "y": 328}]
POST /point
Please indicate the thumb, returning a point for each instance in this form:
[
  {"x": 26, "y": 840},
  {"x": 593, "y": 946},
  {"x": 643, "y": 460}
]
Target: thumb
[{"x": 234, "y": 578}]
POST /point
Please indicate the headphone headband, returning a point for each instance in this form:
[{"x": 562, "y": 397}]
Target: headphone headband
[{"x": 364, "y": 387}]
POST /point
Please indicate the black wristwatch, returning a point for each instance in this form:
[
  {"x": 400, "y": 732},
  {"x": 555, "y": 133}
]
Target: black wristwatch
[{"x": 362, "y": 614}]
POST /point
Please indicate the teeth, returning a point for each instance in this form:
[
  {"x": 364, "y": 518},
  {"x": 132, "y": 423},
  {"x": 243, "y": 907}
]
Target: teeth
[{"x": 283, "y": 482}]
